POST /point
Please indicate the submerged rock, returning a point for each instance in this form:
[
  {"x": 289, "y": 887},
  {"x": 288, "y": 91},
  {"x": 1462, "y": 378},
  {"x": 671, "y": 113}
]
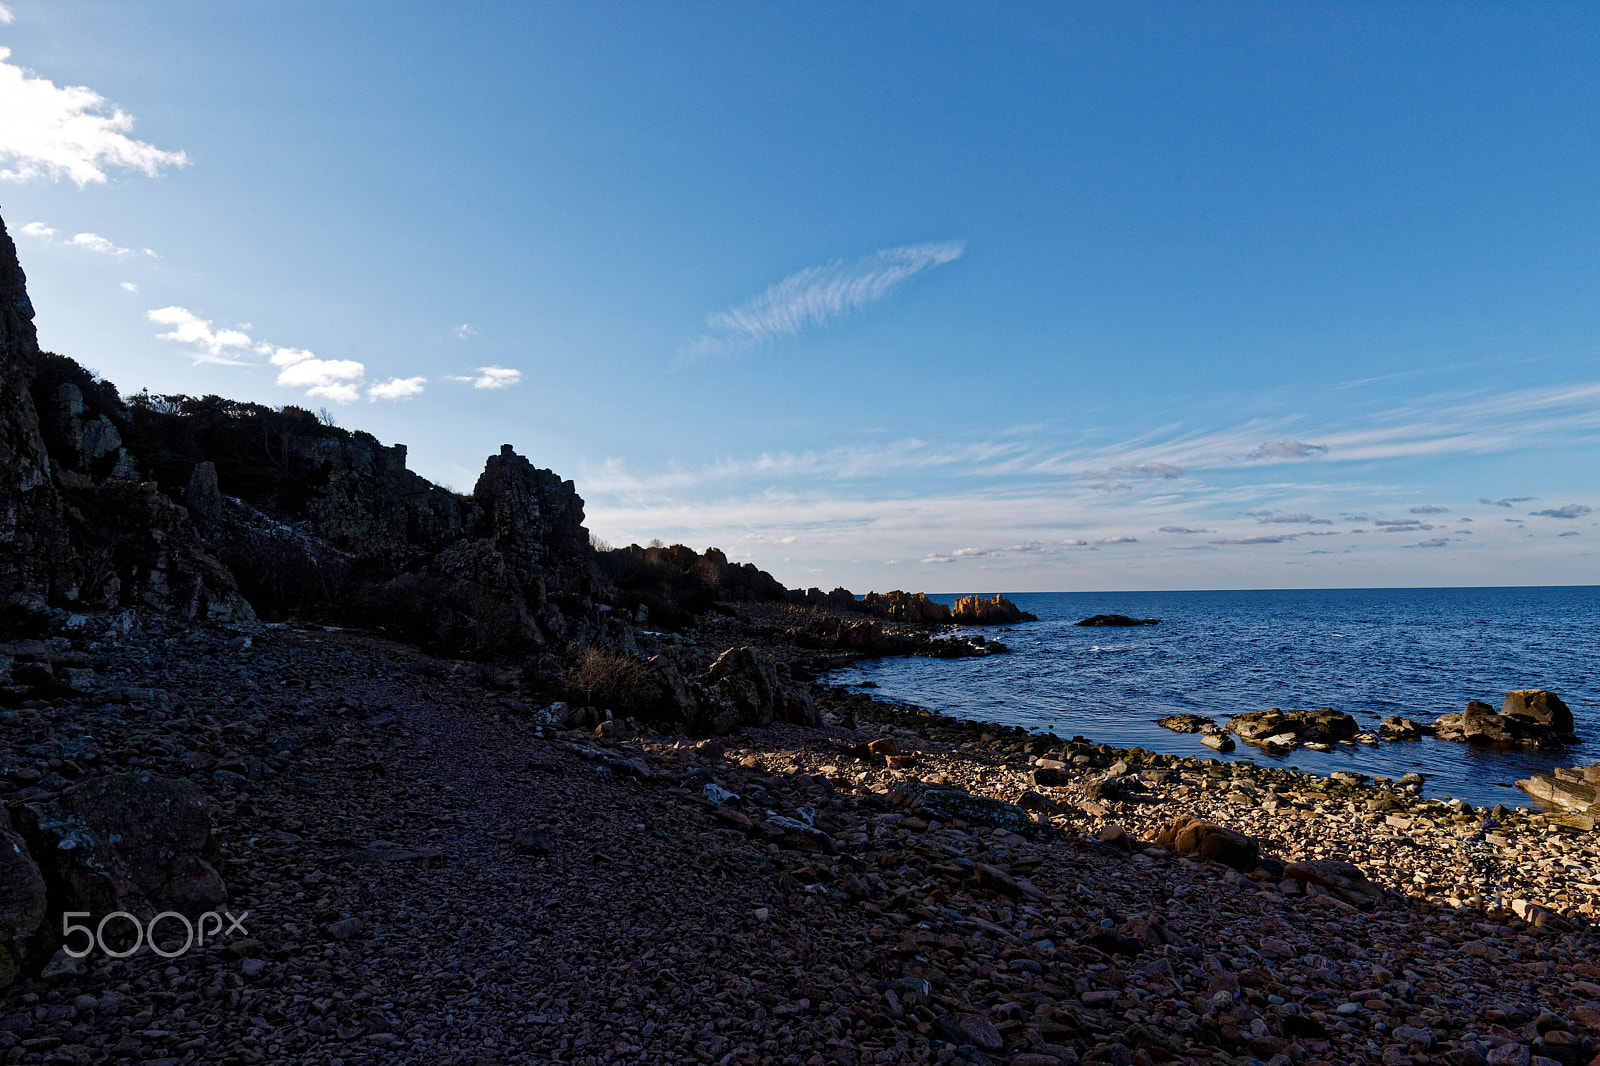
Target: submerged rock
[
  {"x": 1282, "y": 730},
  {"x": 1186, "y": 723},
  {"x": 1118, "y": 620},
  {"x": 1395, "y": 727}
]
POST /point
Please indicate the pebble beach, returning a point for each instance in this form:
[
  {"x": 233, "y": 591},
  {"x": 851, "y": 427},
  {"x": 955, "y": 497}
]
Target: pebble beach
[{"x": 432, "y": 873}]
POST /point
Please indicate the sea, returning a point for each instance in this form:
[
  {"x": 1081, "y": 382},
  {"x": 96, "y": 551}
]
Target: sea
[{"x": 1419, "y": 653}]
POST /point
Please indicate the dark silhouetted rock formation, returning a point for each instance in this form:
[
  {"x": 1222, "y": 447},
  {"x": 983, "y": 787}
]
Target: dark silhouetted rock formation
[
  {"x": 665, "y": 587},
  {"x": 77, "y": 529},
  {"x": 1118, "y": 620}
]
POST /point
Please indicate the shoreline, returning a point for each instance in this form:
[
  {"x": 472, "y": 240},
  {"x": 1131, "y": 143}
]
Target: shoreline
[
  {"x": 1515, "y": 799},
  {"x": 435, "y": 876}
]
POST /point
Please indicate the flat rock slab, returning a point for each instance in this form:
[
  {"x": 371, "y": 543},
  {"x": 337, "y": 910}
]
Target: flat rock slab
[{"x": 390, "y": 855}]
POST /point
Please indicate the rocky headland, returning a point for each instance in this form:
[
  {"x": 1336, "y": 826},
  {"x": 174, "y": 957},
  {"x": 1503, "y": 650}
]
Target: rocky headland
[{"x": 427, "y": 777}]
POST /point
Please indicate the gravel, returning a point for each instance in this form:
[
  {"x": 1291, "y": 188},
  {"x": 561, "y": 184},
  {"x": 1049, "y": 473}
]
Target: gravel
[{"x": 428, "y": 875}]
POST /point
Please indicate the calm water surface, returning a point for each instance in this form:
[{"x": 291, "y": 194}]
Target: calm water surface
[{"x": 1369, "y": 652}]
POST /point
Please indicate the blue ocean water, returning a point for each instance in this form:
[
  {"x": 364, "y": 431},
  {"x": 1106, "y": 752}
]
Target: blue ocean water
[{"x": 1369, "y": 652}]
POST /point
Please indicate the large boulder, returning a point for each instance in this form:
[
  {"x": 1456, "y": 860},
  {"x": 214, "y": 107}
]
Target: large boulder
[
  {"x": 1536, "y": 706},
  {"x": 1529, "y": 718},
  {"x": 127, "y": 842},
  {"x": 1343, "y": 879},
  {"x": 1571, "y": 796},
  {"x": 1323, "y": 726},
  {"x": 22, "y": 902},
  {"x": 949, "y": 804},
  {"x": 1208, "y": 840},
  {"x": 745, "y": 687}
]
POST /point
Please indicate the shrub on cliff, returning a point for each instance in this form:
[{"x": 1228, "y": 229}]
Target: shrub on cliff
[
  {"x": 614, "y": 680},
  {"x": 676, "y": 583}
]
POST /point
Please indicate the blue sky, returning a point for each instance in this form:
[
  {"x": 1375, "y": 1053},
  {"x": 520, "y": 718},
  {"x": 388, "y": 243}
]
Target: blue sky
[{"x": 946, "y": 297}]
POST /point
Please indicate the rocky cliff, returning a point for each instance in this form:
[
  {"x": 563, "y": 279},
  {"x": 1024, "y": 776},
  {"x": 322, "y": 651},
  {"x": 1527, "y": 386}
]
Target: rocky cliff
[
  {"x": 203, "y": 507},
  {"x": 77, "y": 529},
  {"x": 35, "y": 558}
]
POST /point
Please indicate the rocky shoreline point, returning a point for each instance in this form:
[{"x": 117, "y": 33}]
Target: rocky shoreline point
[{"x": 304, "y": 759}]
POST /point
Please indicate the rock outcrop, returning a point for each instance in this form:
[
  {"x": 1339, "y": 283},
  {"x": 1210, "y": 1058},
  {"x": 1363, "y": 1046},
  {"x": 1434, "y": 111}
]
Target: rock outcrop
[
  {"x": 126, "y": 842},
  {"x": 998, "y": 611},
  {"x": 1187, "y": 723},
  {"x": 745, "y": 687},
  {"x": 665, "y": 587},
  {"x": 37, "y": 561},
  {"x": 898, "y": 606},
  {"x": 873, "y": 638},
  {"x": 1117, "y": 620},
  {"x": 22, "y": 902},
  {"x": 77, "y": 527},
  {"x": 1572, "y": 795},
  {"x": 1531, "y": 719},
  {"x": 1275, "y": 729}
]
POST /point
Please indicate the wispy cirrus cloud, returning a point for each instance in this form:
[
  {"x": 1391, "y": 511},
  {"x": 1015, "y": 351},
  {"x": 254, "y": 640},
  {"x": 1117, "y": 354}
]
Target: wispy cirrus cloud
[
  {"x": 1166, "y": 471},
  {"x": 816, "y": 297},
  {"x": 1016, "y": 500},
  {"x": 1030, "y": 547},
  {"x": 50, "y": 132},
  {"x": 1273, "y": 518},
  {"x": 1506, "y": 501},
  {"x": 1287, "y": 449}
]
